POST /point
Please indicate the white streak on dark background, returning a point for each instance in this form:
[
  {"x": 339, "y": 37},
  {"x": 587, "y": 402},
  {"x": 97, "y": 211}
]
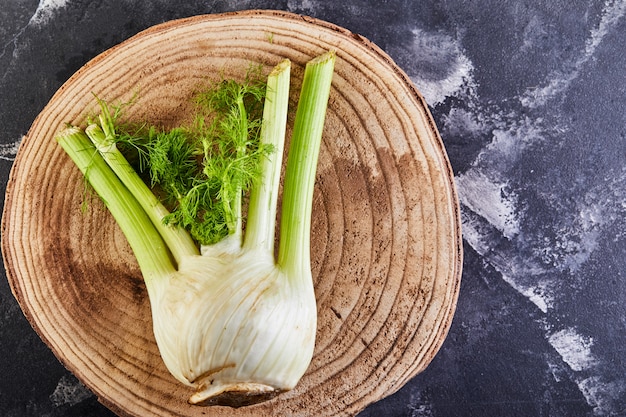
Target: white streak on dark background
[
  {"x": 41, "y": 16},
  {"x": 45, "y": 11},
  {"x": 68, "y": 392},
  {"x": 9, "y": 150},
  {"x": 559, "y": 82},
  {"x": 435, "y": 50}
]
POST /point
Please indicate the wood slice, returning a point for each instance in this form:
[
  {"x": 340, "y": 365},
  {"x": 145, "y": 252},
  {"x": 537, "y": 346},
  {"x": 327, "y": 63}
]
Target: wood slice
[{"x": 386, "y": 238}]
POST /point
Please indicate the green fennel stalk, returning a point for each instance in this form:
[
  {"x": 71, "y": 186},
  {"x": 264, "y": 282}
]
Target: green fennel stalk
[
  {"x": 306, "y": 140},
  {"x": 141, "y": 234}
]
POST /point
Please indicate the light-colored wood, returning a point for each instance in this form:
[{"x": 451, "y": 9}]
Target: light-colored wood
[{"x": 386, "y": 239}]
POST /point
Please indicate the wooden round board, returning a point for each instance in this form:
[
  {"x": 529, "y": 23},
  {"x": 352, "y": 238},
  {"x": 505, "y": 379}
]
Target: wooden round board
[{"x": 386, "y": 239}]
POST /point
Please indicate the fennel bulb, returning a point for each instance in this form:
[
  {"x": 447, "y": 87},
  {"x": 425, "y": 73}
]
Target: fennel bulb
[{"x": 230, "y": 319}]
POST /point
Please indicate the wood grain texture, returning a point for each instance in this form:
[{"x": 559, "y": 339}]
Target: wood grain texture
[{"x": 386, "y": 238}]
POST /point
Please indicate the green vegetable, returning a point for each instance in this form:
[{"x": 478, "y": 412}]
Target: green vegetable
[
  {"x": 230, "y": 320},
  {"x": 205, "y": 197}
]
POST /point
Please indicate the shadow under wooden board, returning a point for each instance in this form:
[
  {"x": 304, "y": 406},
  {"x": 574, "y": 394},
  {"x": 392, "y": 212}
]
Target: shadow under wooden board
[{"x": 386, "y": 240}]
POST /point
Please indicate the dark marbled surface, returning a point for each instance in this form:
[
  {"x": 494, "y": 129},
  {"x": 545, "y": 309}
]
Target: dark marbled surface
[{"x": 530, "y": 98}]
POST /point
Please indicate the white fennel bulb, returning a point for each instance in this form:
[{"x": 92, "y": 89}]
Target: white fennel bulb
[{"x": 231, "y": 320}]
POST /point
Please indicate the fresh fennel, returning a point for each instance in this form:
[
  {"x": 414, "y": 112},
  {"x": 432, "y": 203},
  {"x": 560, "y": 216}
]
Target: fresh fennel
[{"x": 230, "y": 319}]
